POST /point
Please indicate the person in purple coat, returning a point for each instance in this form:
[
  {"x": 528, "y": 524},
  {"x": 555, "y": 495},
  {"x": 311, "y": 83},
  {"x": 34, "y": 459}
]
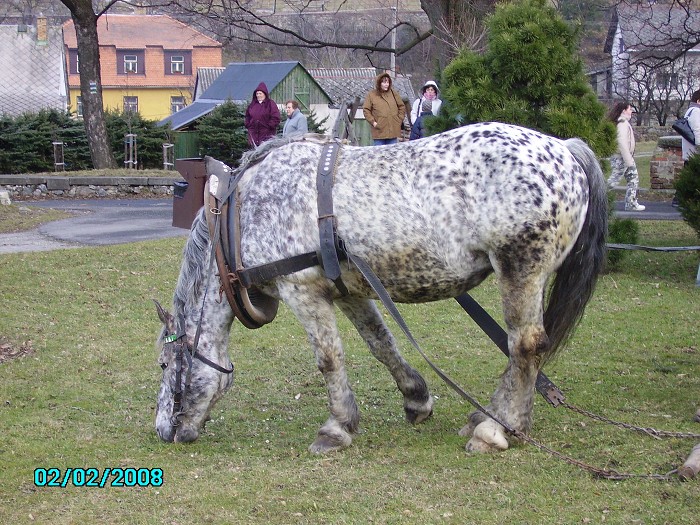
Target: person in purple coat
[{"x": 262, "y": 116}]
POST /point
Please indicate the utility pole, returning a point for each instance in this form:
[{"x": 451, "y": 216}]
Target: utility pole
[{"x": 393, "y": 38}]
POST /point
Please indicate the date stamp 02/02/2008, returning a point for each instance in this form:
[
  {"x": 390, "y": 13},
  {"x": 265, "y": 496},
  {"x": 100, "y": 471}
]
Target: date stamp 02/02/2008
[{"x": 100, "y": 478}]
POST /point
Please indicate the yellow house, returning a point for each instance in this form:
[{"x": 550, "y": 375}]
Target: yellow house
[{"x": 148, "y": 63}]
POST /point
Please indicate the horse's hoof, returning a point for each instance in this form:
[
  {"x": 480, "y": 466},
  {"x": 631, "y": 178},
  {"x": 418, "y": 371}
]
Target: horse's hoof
[
  {"x": 487, "y": 437},
  {"x": 467, "y": 430},
  {"x": 325, "y": 443},
  {"x": 417, "y": 413}
]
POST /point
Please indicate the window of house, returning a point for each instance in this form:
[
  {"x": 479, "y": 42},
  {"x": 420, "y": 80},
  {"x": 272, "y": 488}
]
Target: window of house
[
  {"x": 176, "y": 104},
  {"x": 79, "y": 106},
  {"x": 131, "y": 64},
  {"x": 73, "y": 62},
  {"x": 131, "y": 104},
  {"x": 177, "y": 64},
  {"x": 667, "y": 80}
]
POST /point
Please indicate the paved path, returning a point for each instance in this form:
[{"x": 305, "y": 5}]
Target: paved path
[
  {"x": 96, "y": 222},
  {"x": 117, "y": 221}
]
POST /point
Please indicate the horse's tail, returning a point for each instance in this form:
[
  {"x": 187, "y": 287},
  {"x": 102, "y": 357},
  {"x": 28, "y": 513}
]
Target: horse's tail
[{"x": 576, "y": 278}]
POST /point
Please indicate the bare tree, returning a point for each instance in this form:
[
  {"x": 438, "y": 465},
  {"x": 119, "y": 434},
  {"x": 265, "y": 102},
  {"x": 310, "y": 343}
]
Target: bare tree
[
  {"x": 289, "y": 23},
  {"x": 85, "y": 21},
  {"x": 652, "y": 65}
]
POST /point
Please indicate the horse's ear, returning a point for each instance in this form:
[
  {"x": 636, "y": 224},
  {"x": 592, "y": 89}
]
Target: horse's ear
[{"x": 163, "y": 314}]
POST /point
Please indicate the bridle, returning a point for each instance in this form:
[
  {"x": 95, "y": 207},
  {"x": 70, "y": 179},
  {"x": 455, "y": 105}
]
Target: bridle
[{"x": 185, "y": 351}]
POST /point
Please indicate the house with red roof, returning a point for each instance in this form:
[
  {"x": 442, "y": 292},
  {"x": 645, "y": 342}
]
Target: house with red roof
[{"x": 148, "y": 63}]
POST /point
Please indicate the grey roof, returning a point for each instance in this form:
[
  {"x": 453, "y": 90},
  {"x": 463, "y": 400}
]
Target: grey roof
[
  {"x": 37, "y": 71},
  {"x": 236, "y": 82},
  {"x": 205, "y": 77},
  {"x": 190, "y": 113},
  {"x": 343, "y": 84},
  {"x": 647, "y": 27},
  {"x": 240, "y": 79}
]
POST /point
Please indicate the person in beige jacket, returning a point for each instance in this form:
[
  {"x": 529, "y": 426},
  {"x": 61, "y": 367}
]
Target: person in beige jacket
[
  {"x": 384, "y": 111},
  {"x": 623, "y": 163}
]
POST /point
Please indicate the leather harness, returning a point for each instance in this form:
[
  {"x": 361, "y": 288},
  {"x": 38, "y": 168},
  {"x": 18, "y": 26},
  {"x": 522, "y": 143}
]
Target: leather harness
[{"x": 253, "y": 308}]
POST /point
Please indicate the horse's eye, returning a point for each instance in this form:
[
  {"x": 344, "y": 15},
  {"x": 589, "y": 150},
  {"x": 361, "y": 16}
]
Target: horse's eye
[{"x": 163, "y": 366}]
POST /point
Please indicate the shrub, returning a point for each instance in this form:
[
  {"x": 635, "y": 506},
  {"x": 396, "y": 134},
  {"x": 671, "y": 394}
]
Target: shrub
[
  {"x": 149, "y": 138},
  {"x": 688, "y": 192},
  {"x": 620, "y": 231},
  {"x": 26, "y": 141},
  {"x": 530, "y": 74},
  {"x": 222, "y": 133}
]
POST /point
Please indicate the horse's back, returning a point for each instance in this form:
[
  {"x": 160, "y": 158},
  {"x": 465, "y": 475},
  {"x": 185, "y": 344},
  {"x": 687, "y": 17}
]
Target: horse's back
[{"x": 434, "y": 211}]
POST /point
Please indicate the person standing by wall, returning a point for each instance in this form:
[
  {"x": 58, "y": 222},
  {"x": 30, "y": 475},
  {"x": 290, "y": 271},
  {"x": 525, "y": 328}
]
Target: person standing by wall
[
  {"x": 693, "y": 116},
  {"x": 261, "y": 117},
  {"x": 384, "y": 111},
  {"x": 296, "y": 120},
  {"x": 623, "y": 162}
]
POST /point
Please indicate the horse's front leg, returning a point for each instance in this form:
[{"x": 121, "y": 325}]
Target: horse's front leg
[
  {"x": 314, "y": 309},
  {"x": 363, "y": 313}
]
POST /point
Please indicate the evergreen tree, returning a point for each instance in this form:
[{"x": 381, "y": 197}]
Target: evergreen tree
[
  {"x": 688, "y": 192},
  {"x": 149, "y": 138},
  {"x": 222, "y": 133},
  {"x": 530, "y": 75}
]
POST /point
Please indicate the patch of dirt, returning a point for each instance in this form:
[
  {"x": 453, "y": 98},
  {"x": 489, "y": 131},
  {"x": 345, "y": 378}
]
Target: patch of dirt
[{"x": 8, "y": 351}]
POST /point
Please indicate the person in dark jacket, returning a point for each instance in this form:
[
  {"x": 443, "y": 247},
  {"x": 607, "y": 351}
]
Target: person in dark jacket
[
  {"x": 262, "y": 116},
  {"x": 418, "y": 128}
]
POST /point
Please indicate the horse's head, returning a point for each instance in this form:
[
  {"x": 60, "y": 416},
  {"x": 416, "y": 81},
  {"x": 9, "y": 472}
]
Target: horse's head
[{"x": 191, "y": 383}]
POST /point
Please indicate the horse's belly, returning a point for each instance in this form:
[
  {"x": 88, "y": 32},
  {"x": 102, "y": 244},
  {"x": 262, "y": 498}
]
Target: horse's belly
[{"x": 420, "y": 277}]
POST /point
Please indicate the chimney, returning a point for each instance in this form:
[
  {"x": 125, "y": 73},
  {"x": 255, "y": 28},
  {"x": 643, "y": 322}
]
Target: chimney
[{"x": 42, "y": 36}]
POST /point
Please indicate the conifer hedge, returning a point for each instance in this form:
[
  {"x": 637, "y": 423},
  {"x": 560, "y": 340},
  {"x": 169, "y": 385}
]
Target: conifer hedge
[{"x": 26, "y": 141}]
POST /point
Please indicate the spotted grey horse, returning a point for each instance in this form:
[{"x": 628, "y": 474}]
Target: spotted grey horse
[{"x": 432, "y": 218}]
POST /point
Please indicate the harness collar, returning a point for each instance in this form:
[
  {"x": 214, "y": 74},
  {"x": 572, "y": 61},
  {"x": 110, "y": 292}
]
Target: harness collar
[{"x": 222, "y": 207}]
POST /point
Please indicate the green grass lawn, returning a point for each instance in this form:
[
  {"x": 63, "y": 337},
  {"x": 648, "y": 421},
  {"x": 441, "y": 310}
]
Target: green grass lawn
[
  {"x": 80, "y": 392},
  {"x": 642, "y": 157},
  {"x": 23, "y": 216}
]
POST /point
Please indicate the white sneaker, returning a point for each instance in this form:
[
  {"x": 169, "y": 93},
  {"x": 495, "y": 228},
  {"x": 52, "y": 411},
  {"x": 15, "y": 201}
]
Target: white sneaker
[{"x": 635, "y": 207}]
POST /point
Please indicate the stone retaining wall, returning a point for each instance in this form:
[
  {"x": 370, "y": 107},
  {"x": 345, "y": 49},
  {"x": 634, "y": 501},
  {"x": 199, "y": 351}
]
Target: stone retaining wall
[
  {"x": 665, "y": 163},
  {"x": 22, "y": 187}
]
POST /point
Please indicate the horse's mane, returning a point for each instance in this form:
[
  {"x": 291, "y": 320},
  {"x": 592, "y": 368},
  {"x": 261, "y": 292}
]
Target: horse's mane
[
  {"x": 195, "y": 260},
  {"x": 252, "y": 157}
]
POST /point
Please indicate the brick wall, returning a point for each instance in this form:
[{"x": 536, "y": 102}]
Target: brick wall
[{"x": 666, "y": 162}]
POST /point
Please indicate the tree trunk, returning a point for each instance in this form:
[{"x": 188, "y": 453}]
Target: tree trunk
[
  {"x": 451, "y": 18},
  {"x": 85, "y": 21}
]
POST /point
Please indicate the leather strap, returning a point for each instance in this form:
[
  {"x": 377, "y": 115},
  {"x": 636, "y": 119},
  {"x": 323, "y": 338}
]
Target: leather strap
[
  {"x": 327, "y": 225},
  {"x": 260, "y": 274}
]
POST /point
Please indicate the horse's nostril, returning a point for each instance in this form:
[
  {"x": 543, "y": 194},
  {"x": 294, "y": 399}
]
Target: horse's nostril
[
  {"x": 166, "y": 435},
  {"x": 186, "y": 435}
]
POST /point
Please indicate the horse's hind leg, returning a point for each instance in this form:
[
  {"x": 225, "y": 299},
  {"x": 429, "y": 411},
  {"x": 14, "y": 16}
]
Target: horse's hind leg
[
  {"x": 363, "y": 313},
  {"x": 315, "y": 311},
  {"x": 513, "y": 400}
]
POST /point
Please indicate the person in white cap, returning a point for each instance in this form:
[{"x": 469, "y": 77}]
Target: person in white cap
[{"x": 429, "y": 91}]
